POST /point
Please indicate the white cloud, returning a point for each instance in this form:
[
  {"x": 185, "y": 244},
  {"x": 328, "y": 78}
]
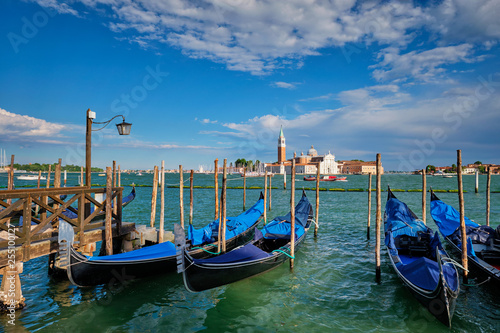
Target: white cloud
[
  {"x": 284, "y": 85},
  {"x": 423, "y": 66},
  {"x": 206, "y": 121},
  {"x": 14, "y": 126},
  {"x": 61, "y": 8},
  {"x": 259, "y": 36}
]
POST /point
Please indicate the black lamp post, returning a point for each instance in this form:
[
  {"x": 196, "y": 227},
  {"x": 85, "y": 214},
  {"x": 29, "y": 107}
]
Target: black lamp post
[{"x": 123, "y": 129}]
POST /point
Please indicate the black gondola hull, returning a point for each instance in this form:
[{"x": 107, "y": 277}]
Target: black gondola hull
[
  {"x": 481, "y": 270},
  {"x": 83, "y": 272},
  {"x": 440, "y": 302},
  {"x": 200, "y": 277}
]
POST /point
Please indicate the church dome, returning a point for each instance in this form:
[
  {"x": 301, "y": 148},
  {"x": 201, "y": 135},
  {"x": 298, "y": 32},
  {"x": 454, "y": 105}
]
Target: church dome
[{"x": 312, "y": 152}]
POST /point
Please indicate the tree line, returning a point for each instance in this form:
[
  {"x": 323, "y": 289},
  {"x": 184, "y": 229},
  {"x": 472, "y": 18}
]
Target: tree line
[{"x": 250, "y": 165}]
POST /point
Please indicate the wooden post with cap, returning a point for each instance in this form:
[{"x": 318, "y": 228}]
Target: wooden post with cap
[
  {"x": 265, "y": 197},
  {"x": 181, "y": 195},
  {"x": 369, "y": 205},
  {"x": 154, "y": 194},
  {"x": 244, "y": 188},
  {"x": 318, "y": 171},
  {"x": 292, "y": 217},
  {"x": 463, "y": 231},
  {"x": 488, "y": 189},
  {"x": 378, "y": 220},
  {"x": 223, "y": 199},
  {"x": 108, "y": 233},
  {"x": 216, "y": 186},
  {"x": 424, "y": 196},
  {"x": 191, "y": 196},
  {"x": 162, "y": 203}
]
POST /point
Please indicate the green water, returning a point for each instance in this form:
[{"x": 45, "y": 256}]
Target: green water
[{"x": 331, "y": 289}]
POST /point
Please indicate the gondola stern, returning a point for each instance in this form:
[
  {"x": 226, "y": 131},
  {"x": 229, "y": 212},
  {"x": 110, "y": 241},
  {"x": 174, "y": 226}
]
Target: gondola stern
[
  {"x": 390, "y": 195},
  {"x": 434, "y": 196}
]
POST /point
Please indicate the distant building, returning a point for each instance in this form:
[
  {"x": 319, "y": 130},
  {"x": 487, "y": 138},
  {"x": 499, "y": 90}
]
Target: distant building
[
  {"x": 359, "y": 167},
  {"x": 304, "y": 164}
]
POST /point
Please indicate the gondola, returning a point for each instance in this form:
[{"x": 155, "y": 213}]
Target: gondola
[
  {"x": 420, "y": 261},
  {"x": 269, "y": 249},
  {"x": 150, "y": 260},
  {"x": 483, "y": 242}
]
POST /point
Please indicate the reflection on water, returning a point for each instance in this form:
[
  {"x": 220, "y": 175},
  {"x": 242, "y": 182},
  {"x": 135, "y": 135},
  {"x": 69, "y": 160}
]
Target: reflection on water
[{"x": 332, "y": 287}]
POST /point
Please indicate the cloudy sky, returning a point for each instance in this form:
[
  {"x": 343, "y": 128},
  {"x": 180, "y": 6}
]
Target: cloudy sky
[{"x": 210, "y": 79}]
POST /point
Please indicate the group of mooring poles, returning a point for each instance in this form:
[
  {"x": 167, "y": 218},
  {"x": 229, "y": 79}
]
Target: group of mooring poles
[
  {"x": 424, "y": 211},
  {"x": 220, "y": 204}
]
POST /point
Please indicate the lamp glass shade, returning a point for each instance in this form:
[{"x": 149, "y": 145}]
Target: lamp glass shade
[{"x": 124, "y": 128}]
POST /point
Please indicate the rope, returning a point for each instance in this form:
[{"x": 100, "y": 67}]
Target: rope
[
  {"x": 200, "y": 248},
  {"x": 281, "y": 251},
  {"x": 477, "y": 285},
  {"x": 177, "y": 183},
  {"x": 454, "y": 263}
]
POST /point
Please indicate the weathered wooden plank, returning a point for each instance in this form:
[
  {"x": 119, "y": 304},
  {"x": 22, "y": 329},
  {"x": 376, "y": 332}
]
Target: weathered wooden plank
[{"x": 50, "y": 245}]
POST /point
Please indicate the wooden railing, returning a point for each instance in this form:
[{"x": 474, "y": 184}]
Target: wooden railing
[{"x": 33, "y": 205}]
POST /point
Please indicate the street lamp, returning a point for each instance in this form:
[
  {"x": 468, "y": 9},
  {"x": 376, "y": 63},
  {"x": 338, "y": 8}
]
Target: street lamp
[{"x": 123, "y": 129}]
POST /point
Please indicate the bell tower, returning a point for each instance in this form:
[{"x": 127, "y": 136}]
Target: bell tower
[{"x": 281, "y": 147}]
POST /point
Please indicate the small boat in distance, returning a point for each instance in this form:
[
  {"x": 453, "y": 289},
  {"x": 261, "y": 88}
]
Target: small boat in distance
[
  {"x": 420, "y": 261},
  {"x": 253, "y": 174},
  {"x": 102, "y": 175},
  {"x": 31, "y": 177},
  {"x": 325, "y": 178},
  {"x": 139, "y": 174}
]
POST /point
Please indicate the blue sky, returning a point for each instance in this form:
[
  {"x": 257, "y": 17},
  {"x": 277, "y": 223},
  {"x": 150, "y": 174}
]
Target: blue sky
[{"x": 201, "y": 80}]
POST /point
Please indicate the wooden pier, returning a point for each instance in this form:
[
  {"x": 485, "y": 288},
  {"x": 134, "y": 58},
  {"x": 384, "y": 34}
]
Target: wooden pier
[{"x": 38, "y": 234}]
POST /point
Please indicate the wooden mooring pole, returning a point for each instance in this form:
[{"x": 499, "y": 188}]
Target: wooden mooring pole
[
  {"x": 223, "y": 200},
  {"x": 162, "y": 203},
  {"x": 10, "y": 177},
  {"x": 216, "y": 186},
  {"x": 378, "y": 220},
  {"x": 462, "y": 216},
  {"x": 316, "y": 226},
  {"x": 65, "y": 177},
  {"x": 48, "y": 176},
  {"x": 244, "y": 188},
  {"x": 369, "y": 205},
  {"x": 154, "y": 194},
  {"x": 81, "y": 176},
  {"x": 39, "y": 178},
  {"x": 424, "y": 196},
  {"x": 270, "y": 176},
  {"x": 191, "y": 196},
  {"x": 488, "y": 189},
  {"x": 284, "y": 177},
  {"x": 292, "y": 217},
  {"x": 477, "y": 182},
  {"x": 114, "y": 185},
  {"x": 265, "y": 197},
  {"x": 108, "y": 232},
  {"x": 119, "y": 176},
  {"x": 181, "y": 195}
]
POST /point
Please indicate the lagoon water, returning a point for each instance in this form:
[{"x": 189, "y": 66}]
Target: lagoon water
[{"x": 331, "y": 289}]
